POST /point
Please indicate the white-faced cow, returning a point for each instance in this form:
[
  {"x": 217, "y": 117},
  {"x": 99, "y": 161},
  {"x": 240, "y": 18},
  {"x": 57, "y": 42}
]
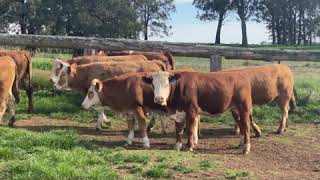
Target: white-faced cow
[
  {"x": 126, "y": 94},
  {"x": 8, "y": 83},
  {"x": 213, "y": 93},
  {"x": 79, "y": 77}
]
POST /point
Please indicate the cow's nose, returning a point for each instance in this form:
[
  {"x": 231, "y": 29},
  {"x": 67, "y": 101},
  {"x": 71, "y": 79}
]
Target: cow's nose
[
  {"x": 158, "y": 99},
  {"x": 83, "y": 106}
]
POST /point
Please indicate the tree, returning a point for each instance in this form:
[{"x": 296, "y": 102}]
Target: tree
[
  {"x": 244, "y": 9},
  {"x": 154, "y": 16},
  {"x": 213, "y": 10},
  {"x": 290, "y": 22}
]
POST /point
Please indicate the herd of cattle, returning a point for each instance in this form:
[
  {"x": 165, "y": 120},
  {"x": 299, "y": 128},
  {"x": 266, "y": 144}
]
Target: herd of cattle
[{"x": 135, "y": 84}]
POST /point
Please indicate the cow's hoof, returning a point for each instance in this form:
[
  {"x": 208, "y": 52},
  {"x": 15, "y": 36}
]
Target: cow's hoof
[
  {"x": 280, "y": 132},
  {"x": 98, "y": 128},
  {"x": 257, "y": 134},
  {"x": 178, "y": 146},
  {"x": 246, "y": 149},
  {"x": 190, "y": 149}
]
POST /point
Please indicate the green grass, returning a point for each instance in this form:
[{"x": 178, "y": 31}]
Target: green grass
[
  {"x": 235, "y": 173},
  {"x": 60, "y": 154}
]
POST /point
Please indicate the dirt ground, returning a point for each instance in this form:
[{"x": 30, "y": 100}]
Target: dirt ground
[{"x": 294, "y": 155}]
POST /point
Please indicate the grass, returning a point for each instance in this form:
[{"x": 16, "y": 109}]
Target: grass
[
  {"x": 235, "y": 173},
  {"x": 59, "y": 154}
]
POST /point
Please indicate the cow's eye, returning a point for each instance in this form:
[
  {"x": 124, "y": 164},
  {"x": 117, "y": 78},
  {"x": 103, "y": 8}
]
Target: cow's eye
[{"x": 90, "y": 95}]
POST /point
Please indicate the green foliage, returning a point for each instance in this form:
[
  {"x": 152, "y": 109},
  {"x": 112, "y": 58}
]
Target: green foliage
[
  {"x": 154, "y": 16},
  {"x": 206, "y": 165}
]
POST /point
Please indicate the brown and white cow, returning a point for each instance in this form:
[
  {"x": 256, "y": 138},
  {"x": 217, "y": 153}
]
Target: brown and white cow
[
  {"x": 24, "y": 65},
  {"x": 270, "y": 83},
  {"x": 127, "y": 94},
  {"x": 79, "y": 77},
  {"x": 8, "y": 82},
  {"x": 213, "y": 93},
  {"x": 57, "y": 64},
  {"x": 164, "y": 56}
]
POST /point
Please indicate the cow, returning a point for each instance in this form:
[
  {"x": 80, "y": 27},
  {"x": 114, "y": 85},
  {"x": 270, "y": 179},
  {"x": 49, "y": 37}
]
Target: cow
[
  {"x": 164, "y": 56},
  {"x": 126, "y": 94},
  {"x": 9, "y": 82},
  {"x": 57, "y": 64},
  {"x": 270, "y": 83},
  {"x": 79, "y": 77},
  {"x": 214, "y": 93},
  {"x": 24, "y": 66}
]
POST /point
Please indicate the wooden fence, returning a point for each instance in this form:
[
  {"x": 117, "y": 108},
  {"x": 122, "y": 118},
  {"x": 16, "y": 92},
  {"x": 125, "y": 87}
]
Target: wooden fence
[{"x": 181, "y": 49}]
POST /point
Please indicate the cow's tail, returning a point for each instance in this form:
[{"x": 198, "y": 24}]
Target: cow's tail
[
  {"x": 171, "y": 59},
  {"x": 29, "y": 68},
  {"x": 292, "y": 102},
  {"x": 15, "y": 87}
]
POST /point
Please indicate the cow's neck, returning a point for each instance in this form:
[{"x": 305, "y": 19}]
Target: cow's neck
[{"x": 78, "y": 79}]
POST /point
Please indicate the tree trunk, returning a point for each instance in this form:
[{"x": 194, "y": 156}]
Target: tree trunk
[
  {"x": 218, "y": 33},
  {"x": 300, "y": 27},
  {"x": 273, "y": 29},
  {"x": 244, "y": 31},
  {"x": 145, "y": 32}
]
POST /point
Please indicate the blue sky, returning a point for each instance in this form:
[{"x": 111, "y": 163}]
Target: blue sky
[{"x": 187, "y": 28}]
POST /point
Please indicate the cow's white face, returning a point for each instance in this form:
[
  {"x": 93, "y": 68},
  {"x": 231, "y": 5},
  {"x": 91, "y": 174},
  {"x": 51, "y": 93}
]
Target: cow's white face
[
  {"x": 55, "y": 71},
  {"x": 60, "y": 75},
  {"x": 92, "y": 99},
  {"x": 161, "y": 86}
]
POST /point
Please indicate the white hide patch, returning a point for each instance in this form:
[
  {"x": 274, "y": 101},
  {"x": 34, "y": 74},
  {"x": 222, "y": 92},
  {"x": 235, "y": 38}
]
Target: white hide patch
[
  {"x": 92, "y": 99},
  {"x": 55, "y": 71}
]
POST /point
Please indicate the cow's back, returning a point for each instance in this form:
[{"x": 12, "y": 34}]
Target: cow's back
[
  {"x": 213, "y": 92},
  {"x": 98, "y": 58},
  {"x": 269, "y": 81}
]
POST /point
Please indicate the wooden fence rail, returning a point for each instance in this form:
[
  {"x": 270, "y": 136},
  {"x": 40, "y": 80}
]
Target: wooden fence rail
[{"x": 181, "y": 49}]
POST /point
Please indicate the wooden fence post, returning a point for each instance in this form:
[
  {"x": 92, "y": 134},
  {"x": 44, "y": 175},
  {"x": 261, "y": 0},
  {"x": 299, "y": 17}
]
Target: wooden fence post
[{"x": 215, "y": 63}]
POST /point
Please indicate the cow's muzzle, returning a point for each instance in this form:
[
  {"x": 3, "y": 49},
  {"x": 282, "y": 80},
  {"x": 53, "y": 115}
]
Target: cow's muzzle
[{"x": 160, "y": 100}]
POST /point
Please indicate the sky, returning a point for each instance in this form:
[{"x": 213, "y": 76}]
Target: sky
[{"x": 187, "y": 28}]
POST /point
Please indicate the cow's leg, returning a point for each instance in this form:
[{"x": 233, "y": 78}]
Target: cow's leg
[
  {"x": 191, "y": 123},
  {"x": 179, "y": 124},
  {"x": 236, "y": 117},
  {"x": 102, "y": 118},
  {"x": 284, "y": 107},
  {"x": 142, "y": 121},
  {"x": 130, "y": 121},
  {"x": 11, "y": 108},
  {"x": 196, "y": 130},
  {"x": 2, "y": 111},
  {"x": 30, "y": 99},
  {"x": 152, "y": 122},
  {"x": 245, "y": 125},
  {"x": 255, "y": 127},
  {"x": 163, "y": 123}
]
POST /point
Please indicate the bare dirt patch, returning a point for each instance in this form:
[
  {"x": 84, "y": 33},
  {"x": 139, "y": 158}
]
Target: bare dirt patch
[{"x": 294, "y": 155}]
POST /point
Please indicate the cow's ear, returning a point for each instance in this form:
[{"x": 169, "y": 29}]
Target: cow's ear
[
  {"x": 173, "y": 78},
  {"x": 97, "y": 84},
  {"x": 147, "y": 79}
]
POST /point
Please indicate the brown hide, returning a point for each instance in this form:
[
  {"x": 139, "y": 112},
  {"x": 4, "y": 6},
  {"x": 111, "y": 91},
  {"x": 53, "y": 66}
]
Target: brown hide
[
  {"x": 98, "y": 58},
  {"x": 214, "y": 93},
  {"x": 82, "y": 75},
  {"x": 24, "y": 67},
  {"x": 268, "y": 82},
  {"x": 8, "y": 78},
  {"x": 164, "y": 56},
  {"x": 127, "y": 92}
]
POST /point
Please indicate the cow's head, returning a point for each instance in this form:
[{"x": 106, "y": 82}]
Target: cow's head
[
  {"x": 92, "y": 99},
  {"x": 60, "y": 74},
  {"x": 161, "y": 84}
]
